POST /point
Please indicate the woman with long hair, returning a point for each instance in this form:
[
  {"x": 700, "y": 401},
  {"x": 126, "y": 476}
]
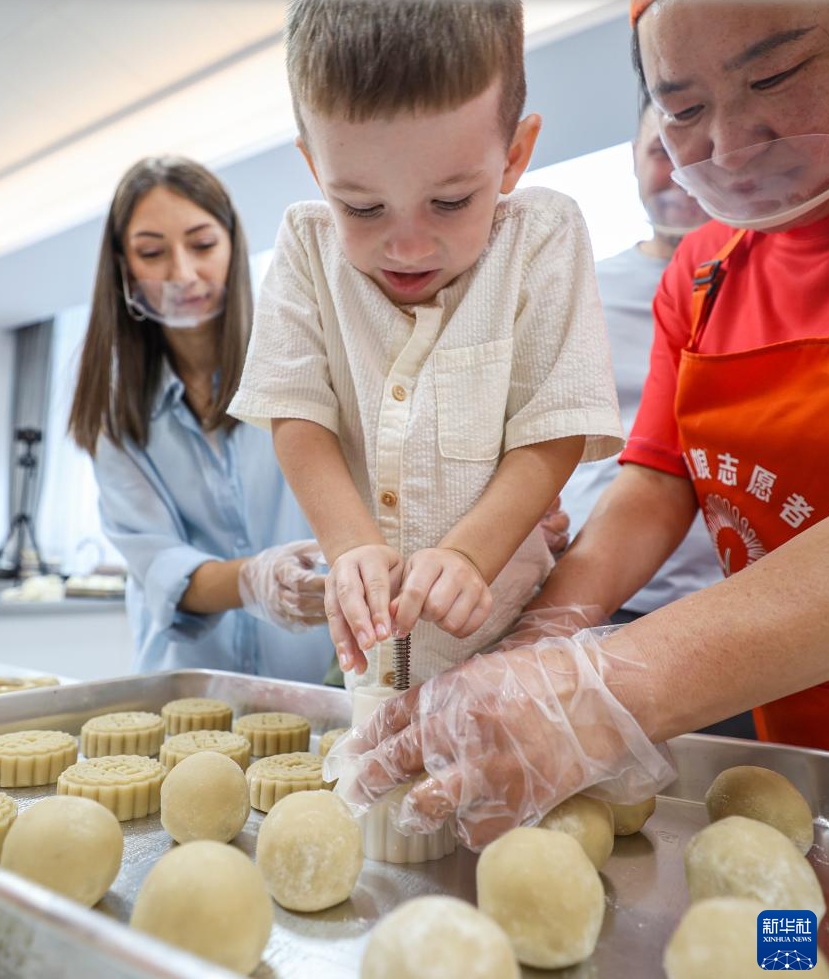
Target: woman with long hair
[{"x": 193, "y": 499}]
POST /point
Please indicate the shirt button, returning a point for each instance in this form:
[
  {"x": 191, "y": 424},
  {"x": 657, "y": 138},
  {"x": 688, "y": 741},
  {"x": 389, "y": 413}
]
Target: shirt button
[
  {"x": 398, "y": 392},
  {"x": 388, "y": 498}
]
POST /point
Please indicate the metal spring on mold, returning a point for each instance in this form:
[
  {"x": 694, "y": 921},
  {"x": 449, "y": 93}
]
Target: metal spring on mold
[{"x": 401, "y": 661}]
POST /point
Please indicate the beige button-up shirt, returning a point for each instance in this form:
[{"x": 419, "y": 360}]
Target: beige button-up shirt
[{"x": 427, "y": 399}]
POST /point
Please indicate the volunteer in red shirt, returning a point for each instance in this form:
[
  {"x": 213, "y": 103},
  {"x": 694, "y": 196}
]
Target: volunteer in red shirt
[{"x": 733, "y": 416}]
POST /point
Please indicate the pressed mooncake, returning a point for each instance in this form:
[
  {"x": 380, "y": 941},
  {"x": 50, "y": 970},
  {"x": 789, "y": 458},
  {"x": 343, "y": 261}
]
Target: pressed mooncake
[
  {"x": 8, "y": 814},
  {"x": 271, "y": 779},
  {"x": 131, "y": 732},
  {"x": 327, "y": 740},
  {"x": 128, "y": 785},
  {"x": 197, "y": 714},
  {"x": 189, "y": 742},
  {"x": 30, "y": 758},
  {"x": 274, "y": 732}
]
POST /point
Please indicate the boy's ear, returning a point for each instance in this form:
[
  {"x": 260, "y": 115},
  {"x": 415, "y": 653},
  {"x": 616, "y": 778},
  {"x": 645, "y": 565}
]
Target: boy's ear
[
  {"x": 306, "y": 152},
  {"x": 520, "y": 151}
]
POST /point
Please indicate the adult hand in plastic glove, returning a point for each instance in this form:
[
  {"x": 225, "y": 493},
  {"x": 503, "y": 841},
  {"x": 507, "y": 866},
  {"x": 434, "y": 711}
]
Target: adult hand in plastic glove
[
  {"x": 505, "y": 737},
  {"x": 283, "y": 585},
  {"x": 550, "y": 622}
]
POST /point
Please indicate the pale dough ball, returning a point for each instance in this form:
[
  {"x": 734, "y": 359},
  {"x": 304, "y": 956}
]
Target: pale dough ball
[
  {"x": 458, "y": 940},
  {"x": 628, "y": 820},
  {"x": 590, "y": 821},
  {"x": 205, "y": 797},
  {"x": 760, "y": 793},
  {"x": 542, "y": 889},
  {"x": 310, "y": 851},
  {"x": 742, "y": 857},
  {"x": 719, "y": 935},
  {"x": 208, "y": 898},
  {"x": 69, "y": 844}
]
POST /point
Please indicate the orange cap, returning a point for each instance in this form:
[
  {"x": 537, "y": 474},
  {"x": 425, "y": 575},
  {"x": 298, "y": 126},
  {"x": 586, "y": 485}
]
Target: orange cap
[{"x": 637, "y": 8}]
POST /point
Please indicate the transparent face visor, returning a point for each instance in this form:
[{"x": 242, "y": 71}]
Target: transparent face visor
[
  {"x": 673, "y": 213},
  {"x": 179, "y": 305},
  {"x": 764, "y": 186}
]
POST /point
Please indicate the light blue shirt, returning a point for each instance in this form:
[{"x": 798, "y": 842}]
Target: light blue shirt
[{"x": 188, "y": 498}]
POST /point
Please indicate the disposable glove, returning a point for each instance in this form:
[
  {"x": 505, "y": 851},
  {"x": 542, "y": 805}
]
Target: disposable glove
[
  {"x": 284, "y": 586},
  {"x": 504, "y": 738},
  {"x": 551, "y": 622}
]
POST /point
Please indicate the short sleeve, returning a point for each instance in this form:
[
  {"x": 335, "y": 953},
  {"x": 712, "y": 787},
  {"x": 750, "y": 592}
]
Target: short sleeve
[
  {"x": 286, "y": 373},
  {"x": 654, "y": 438},
  {"x": 562, "y": 379}
]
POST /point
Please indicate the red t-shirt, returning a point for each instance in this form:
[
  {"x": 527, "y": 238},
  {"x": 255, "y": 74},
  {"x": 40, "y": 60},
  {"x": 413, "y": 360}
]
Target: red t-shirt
[{"x": 776, "y": 288}]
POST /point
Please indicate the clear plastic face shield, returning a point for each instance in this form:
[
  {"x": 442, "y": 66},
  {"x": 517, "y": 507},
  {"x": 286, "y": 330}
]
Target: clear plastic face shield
[
  {"x": 672, "y": 213},
  {"x": 764, "y": 186},
  {"x": 178, "y": 305}
]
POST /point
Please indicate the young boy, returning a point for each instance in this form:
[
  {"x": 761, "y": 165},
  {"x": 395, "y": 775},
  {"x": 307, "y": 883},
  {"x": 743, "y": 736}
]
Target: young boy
[{"x": 432, "y": 359}]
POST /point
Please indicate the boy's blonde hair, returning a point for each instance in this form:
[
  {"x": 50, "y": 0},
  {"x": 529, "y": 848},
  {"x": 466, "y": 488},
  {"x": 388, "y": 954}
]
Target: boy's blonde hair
[{"x": 369, "y": 59}]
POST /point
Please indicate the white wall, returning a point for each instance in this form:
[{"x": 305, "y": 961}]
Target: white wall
[{"x": 6, "y": 385}]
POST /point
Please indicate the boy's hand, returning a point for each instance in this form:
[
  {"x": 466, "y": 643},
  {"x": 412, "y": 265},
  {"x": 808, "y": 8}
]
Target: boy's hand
[
  {"x": 358, "y": 591},
  {"x": 443, "y": 586}
]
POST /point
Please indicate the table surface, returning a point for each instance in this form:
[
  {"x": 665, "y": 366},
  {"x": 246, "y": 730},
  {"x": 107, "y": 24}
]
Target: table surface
[{"x": 644, "y": 878}]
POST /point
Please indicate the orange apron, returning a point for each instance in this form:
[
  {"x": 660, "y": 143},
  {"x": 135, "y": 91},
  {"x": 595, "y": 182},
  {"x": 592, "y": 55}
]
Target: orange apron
[{"x": 754, "y": 429}]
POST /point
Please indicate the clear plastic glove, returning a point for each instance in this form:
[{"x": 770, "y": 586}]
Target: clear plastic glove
[
  {"x": 503, "y": 738},
  {"x": 555, "y": 525},
  {"x": 284, "y": 586},
  {"x": 554, "y": 620}
]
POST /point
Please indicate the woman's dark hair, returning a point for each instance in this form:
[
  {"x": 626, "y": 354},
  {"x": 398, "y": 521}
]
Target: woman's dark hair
[{"x": 122, "y": 359}]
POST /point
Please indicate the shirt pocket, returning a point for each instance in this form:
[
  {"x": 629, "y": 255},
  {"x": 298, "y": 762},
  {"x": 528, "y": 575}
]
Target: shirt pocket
[{"x": 472, "y": 386}]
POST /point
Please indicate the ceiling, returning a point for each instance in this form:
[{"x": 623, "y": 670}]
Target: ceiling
[
  {"x": 89, "y": 86},
  {"x": 70, "y": 67}
]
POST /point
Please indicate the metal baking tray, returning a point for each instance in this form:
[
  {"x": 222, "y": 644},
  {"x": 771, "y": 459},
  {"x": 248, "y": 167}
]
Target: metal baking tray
[{"x": 43, "y": 936}]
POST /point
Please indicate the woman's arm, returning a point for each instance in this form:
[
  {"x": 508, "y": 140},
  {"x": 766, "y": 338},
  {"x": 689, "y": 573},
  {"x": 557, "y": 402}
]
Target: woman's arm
[
  {"x": 757, "y": 636},
  {"x": 213, "y": 587},
  {"x": 638, "y": 521}
]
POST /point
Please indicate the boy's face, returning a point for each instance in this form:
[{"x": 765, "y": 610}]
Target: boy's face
[{"x": 413, "y": 196}]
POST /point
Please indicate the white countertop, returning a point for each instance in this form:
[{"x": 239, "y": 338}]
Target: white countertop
[{"x": 8, "y": 669}]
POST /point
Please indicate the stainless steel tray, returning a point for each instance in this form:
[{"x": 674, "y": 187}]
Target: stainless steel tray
[{"x": 43, "y": 936}]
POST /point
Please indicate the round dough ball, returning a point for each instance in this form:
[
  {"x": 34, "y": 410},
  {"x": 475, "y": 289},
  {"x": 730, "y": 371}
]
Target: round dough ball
[
  {"x": 208, "y": 898},
  {"x": 310, "y": 851},
  {"x": 760, "y": 793},
  {"x": 590, "y": 821},
  {"x": 720, "y": 934},
  {"x": 628, "y": 820},
  {"x": 461, "y": 943},
  {"x": 742, "y": 857},
  {"x": 205, "y": 797},
  {"x": 69, "y": 844},
  {"x": 542, "y": 889}
]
